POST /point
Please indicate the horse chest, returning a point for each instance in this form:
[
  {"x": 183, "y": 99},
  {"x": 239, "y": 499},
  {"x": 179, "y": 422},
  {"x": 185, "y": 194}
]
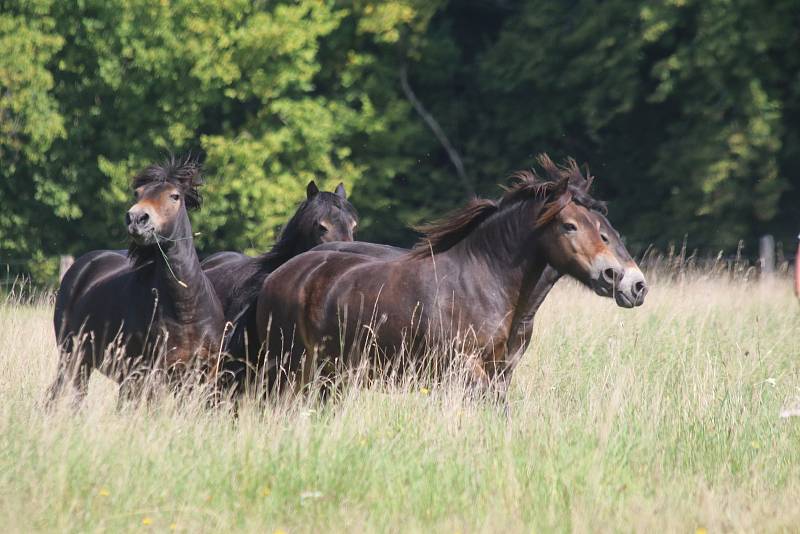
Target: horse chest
[{"x": 177, "y": 340}]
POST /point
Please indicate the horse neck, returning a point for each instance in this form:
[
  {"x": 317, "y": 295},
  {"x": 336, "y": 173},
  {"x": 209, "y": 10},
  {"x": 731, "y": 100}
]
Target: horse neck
[
  {"x": 522, "y": 321},
  {"x": 178, "y": 271},
  {"x": 501, "y": 256},
  {"x": 290, "y": 243}
]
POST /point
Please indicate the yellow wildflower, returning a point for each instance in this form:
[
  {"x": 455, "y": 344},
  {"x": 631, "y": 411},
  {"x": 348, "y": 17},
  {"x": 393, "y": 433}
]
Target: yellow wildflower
[
  {"x": 146, "y": 521},
  {"x": 104, "y": 492}
]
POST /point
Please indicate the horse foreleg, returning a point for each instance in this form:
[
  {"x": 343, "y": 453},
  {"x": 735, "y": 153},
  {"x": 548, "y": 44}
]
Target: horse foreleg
[
  {"x": 490, "y": 381},
  {"x": 74, "y": 369},
  {"x": 131, "y": 390},
  {"x": 478, "y": 380}
]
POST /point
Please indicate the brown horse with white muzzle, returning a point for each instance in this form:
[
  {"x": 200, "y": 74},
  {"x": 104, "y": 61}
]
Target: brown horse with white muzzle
[
  {"x": 482, "y": 273},
  {"x": 155, "y": 309}
]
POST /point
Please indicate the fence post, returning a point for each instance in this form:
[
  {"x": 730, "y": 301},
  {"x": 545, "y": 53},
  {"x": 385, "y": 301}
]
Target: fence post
[
  {"x": 766, "y": 254},
  {"x": 797, "y": 269},
  {"x": 64, "y": 263}
]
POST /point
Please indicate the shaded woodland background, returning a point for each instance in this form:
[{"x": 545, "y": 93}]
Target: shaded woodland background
[{"x": 687, "y": 111}]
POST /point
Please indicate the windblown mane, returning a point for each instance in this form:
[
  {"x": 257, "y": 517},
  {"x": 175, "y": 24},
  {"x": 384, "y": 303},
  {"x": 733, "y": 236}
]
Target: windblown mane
[
  {"x": 446, "y": 232},
  {"x": 525, "y": 185},
  {"x": 185, "y": 172}
]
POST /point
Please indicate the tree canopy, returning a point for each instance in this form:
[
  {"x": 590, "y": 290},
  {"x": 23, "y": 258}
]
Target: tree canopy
[{"x": 686, "y": 111}]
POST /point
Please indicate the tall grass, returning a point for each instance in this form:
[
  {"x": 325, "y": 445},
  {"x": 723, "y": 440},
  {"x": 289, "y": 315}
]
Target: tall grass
[{"x": 664, "y": 418}]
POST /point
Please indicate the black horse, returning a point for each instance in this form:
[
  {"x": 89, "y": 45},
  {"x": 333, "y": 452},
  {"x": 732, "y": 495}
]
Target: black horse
[
  {"x": 237, "y": 278},
  {"x": 153, "y": 309}
]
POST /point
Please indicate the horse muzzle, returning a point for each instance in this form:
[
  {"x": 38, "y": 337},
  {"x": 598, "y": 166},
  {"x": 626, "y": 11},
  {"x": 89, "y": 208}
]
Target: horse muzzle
[
  {"x": 140, "y": 227},
  {"x": 606, "y": 278},
  {"x": 632, "y": 289},
  {"x": 626, "y": 286}
]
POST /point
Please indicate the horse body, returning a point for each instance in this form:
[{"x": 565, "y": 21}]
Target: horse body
[
  {"x": 410, "y": 305},
  {"x": 518, "y": 336},
  {"x": 477, "y": 280},
  {"x": 155, "y": 308}
]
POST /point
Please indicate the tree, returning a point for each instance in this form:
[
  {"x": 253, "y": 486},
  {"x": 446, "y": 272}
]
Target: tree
[
  {"x": 30, "y": 122},
  {"x": 686, "y": 110}
]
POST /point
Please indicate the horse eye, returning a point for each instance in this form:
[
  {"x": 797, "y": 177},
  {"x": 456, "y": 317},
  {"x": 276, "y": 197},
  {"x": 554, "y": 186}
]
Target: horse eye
[
  {"x": 569, "y": 227},
  {"x": 175, "y": 196},
  {"x": 323, "y": 228},
  {"x": 604, "y": 237}
]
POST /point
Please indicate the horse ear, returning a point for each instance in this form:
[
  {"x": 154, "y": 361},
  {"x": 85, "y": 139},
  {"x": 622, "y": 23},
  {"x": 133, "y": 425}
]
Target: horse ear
[
  {"x": 561, "y": 187},
  {"x": 588, "y": 178},
  {"x": 588, "y": 184},
  {"x": 340, "y": 192},
  {"x": 311, "y": 189}
]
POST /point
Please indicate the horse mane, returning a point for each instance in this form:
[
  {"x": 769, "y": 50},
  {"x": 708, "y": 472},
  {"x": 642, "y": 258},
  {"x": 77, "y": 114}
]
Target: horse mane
[
  {"x": 283, "y": 249},
  {"x": 557, "y": 186},
  {"x": 444, "y": 233},
  {"x": 185, "y": 172}
]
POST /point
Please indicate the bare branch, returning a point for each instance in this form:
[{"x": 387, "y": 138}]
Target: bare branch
[{"x": 433, "y": 124}]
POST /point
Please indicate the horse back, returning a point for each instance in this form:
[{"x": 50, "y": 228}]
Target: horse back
[
  {"x": 374, "y": 250},
  {"x": 85, "y": 273},
  {"x": 329, "y": 297}
]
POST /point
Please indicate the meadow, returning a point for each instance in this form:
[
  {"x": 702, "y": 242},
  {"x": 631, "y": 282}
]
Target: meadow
[{"x": 678, "y": 416}]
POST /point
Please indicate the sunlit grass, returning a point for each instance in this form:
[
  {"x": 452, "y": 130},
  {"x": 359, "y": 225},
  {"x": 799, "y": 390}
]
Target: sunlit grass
[{"x": 666, "y": 417}]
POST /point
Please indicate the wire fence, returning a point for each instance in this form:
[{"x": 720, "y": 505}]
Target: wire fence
[{"x": 11, "y": 270}]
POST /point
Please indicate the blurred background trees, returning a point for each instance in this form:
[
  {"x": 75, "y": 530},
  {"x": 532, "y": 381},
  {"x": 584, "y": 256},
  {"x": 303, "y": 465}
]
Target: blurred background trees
[{"x": 688, "y": 112}]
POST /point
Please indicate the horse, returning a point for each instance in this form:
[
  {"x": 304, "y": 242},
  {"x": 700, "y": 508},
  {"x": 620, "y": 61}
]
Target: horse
[
  {"x": 522, "y": 333},
  {"x": 237, "y": 278},
  {"x": 155, "y": 306},
  {"x": 481, "y": 272}
]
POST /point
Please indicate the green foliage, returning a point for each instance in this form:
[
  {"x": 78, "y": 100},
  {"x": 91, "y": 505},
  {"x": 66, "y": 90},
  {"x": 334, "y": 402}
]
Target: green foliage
[
  {"x": 29, "y": 123},
  {"x": 687, "y": 111},
  {"x": 678, "y": 106}
]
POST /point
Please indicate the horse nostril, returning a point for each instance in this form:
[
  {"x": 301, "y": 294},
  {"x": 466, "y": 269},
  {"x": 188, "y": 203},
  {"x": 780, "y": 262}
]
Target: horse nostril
[
  {"x": 639, "y": 288},
  {"x": 137, "y": 218},
  {"x": 609, "y": 275}
]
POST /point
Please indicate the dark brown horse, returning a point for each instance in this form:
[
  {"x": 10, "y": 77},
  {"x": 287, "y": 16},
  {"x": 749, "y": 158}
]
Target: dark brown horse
[
  {"x": 156, "y": 306},
  {"x": 321, "y": 218},
  {"x": 480, "y": 273}
]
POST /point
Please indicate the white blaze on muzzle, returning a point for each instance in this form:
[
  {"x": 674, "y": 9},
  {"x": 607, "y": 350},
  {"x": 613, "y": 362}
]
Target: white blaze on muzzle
[{"x": 633, "y": 286}]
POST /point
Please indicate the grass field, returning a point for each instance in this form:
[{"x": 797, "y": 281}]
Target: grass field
[{"x": 663, "y": 418}]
